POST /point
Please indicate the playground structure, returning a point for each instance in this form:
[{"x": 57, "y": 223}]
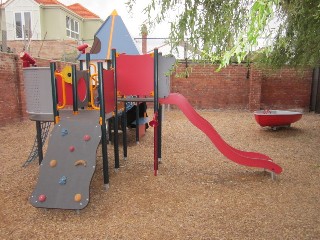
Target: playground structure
[
  {"x": 84, "y": 105},
  {"x": 69, "y": 164},
  {"x": 276, "y": 118},
  {"x": 70, "y": 159}
]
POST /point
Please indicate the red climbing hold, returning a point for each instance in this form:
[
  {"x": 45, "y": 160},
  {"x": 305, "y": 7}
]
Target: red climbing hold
[
  {"x": 71, "y": 148},
  {"x": 153, "y": 123},
  {"x": 42, "y": 198},
  {"x": 86, "y": 138}
]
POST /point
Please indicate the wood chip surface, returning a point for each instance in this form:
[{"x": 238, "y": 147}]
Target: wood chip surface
[{"x": 198, "y": 193}]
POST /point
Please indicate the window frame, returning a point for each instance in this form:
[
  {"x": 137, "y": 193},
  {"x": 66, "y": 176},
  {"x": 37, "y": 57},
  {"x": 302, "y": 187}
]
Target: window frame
[
  {"x": 22, "y": 34},
  {"x": 72, "y": 28}
]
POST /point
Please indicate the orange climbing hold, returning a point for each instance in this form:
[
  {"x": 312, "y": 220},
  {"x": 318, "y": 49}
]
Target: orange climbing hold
[
  {"x": 53, "y": 163},
  {"x": 77, "y": 197}
]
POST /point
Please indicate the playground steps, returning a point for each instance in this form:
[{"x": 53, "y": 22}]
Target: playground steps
[{"x": 67, "y": 169}]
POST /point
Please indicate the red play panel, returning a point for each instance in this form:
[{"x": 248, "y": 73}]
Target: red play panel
[
  {"x": 135, "y": 74},
  {"x": 82, "y": 91},
  {"x": 68, "y": 91},
  {"x": 108, "y": 80}
]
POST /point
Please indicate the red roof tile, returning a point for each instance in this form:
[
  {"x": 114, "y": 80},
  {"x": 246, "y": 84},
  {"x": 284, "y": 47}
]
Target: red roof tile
[
  {"x": 76, "y": 8},
  {"x": 81, "y": 10},
  {"x": 48, "y": 2}
]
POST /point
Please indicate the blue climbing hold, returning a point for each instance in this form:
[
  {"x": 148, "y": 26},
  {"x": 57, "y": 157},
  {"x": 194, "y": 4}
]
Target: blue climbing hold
[
  {"x": 64, "y": 132},
  {"x": 63, "y": 180}
]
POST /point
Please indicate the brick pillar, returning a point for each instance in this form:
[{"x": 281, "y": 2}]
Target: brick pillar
[
  {"x": 255, "y": 88},
  {"x": 144, "y": 35},
  {"x": 21, "y": 98}
]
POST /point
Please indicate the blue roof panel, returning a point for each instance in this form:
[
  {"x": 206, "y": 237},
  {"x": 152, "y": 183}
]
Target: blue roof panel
[{"x": 121, "y": 39}]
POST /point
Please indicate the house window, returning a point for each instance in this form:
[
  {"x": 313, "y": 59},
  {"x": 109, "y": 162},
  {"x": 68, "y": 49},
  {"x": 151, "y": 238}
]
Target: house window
[
  {"x": 23, "y": 25},
  {"x": 72, "y": 28}
]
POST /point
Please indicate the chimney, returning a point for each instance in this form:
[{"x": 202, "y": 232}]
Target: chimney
[{"x": 144, "y": 35}]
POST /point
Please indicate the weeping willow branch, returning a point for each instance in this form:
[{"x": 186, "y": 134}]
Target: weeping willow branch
[{"x": 221, "y": 31}]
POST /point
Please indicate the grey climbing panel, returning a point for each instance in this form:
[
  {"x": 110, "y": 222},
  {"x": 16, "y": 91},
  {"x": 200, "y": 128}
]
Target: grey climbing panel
[{"x": 69, "y": 164}]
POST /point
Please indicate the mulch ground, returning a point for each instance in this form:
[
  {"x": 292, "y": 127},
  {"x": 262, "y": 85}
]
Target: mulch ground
[{"x": 198, "y": 193}]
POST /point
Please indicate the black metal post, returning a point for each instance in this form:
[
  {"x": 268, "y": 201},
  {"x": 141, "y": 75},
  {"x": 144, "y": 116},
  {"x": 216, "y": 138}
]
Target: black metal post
[
  {"x": 74, "y": 88},
  {"x": 54, "y": 92},
  {"x": 39, "y": 141},
  {"x": 124, "y": 131},
  {"x": 89, "y": 75},
  {"x": 159, "y": 132},
  {"x": 109, "y": 120},
  {"x": 81, "y": 65},
  {"x": 109, "y": 130},
  {"x": 108, "y": 64},
  {"x": 156, "y": 90},
  {"x": 115, "y": 128},
  {"x": 137, "y": 123},
  {"x": 156, "y": 110},
  {"x": 103, "y": 126}
]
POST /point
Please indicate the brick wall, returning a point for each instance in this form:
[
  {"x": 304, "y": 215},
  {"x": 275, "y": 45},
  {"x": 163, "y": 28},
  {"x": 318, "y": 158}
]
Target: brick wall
[
  {"x": 235, "y": 87},
  {"x": 47, "y": 49},
  {"x": 207, "y": 89},
  {"x": 11, "y": 89},
  {"x": 240, "y": 87},
  {"x": 255, "y": 76},
  {"x": 286, "y": 89}
]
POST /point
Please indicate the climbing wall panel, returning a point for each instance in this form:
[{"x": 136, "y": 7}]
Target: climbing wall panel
[{"x": 69, "y": 164}]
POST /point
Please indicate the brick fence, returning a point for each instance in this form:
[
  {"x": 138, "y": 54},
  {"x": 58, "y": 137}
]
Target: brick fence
[
  {"x": 63, "y": 49},
  {"x": 12, "y": 100},
  {"x": 241, "y": 87},
  {"x": 235, "y": 87}
]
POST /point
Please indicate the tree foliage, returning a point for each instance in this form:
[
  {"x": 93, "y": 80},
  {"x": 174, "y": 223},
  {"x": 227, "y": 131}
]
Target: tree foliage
[{"x": 226, "y": 30}]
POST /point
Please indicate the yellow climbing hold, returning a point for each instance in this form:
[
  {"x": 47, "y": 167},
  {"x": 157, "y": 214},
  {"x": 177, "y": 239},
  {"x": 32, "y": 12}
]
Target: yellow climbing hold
[
  {"x": 53, "y": 163},
  {"x": 80, "y": 163},
  {"x": 77, "y": 197}
]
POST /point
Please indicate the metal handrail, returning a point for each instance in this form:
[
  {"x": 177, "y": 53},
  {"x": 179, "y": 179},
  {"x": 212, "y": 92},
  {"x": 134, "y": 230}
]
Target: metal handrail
[{"x": 63, "y": 84}]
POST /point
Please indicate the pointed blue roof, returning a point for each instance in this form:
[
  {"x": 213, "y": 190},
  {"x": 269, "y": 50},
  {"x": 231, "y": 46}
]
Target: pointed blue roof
[{"x": 112, "y": 34}]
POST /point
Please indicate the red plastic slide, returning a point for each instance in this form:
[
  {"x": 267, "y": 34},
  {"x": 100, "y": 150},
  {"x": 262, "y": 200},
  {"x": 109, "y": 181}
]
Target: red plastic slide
[{"x": 250, "y": 159}]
